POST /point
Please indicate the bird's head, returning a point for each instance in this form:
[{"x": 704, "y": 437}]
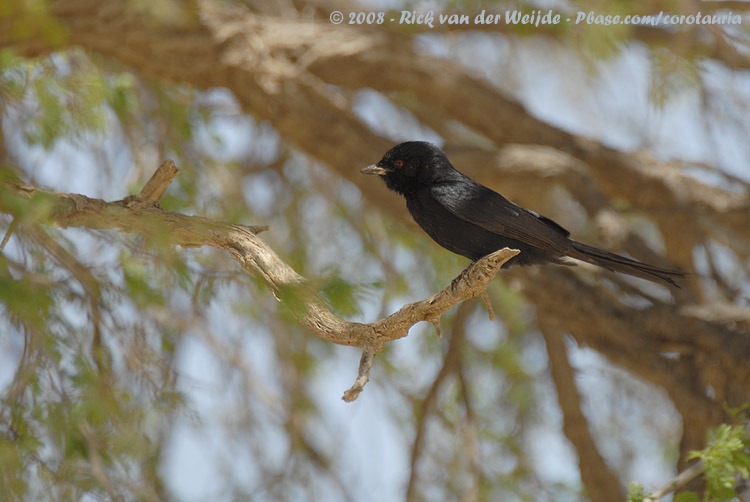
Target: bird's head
[{"x": 410, "y": 166}]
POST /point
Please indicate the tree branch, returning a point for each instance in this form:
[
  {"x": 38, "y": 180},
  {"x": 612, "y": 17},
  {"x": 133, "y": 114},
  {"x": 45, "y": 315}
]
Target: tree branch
[
  {"x": 369, "y": 351},
  {"x": 601, "y": 320},
  {"x": 601, "y": 484},
  {"x": 676, "y": 483},
  {"x": 141, "y": 214}
]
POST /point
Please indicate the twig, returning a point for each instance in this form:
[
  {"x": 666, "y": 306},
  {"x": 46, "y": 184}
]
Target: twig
[
  {"x": 363, "y": 376},
  {"x": 487, "y": 303},
  {"x": 676, "y": 483},
  {"x": 157, "y": 185},
  {"x": 11, "y": 228}
]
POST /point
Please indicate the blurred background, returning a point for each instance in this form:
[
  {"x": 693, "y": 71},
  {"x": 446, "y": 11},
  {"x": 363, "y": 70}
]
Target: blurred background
[{"x": 136, "y": 371}]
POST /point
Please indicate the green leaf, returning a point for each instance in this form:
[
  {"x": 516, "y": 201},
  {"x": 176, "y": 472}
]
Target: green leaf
[
  {"x": 341, "y": 296},
  {"x": 687, "y": 497},
  {"x": 635, "y": 492},
  {"x": 724, "y": 458}
]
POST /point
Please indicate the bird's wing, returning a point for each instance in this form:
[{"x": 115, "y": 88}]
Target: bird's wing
[{"x": 483, "y": 207}]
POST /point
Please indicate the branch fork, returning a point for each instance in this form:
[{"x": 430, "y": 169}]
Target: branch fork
[{"x": 470, "y": 283}]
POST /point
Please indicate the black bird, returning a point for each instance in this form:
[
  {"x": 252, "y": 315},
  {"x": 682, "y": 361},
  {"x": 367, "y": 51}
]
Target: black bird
[{"x": 471, "y": 220}]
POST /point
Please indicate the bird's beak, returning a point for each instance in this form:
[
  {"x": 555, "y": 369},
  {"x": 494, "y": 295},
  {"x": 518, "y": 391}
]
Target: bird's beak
[{"x": 374, "y": 169}]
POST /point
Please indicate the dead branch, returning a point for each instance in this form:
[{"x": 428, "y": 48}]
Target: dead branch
[{"x": 142, "y": 214}]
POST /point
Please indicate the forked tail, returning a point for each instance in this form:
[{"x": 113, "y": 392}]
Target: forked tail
[{"x": 617, "y": 263}]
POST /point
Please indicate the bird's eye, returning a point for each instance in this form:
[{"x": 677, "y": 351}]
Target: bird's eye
[{"x": 398, "y": 163}]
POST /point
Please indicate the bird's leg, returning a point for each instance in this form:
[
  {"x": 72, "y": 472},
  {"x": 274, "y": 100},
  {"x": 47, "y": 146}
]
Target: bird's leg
[{"x": 484, "y": 296}]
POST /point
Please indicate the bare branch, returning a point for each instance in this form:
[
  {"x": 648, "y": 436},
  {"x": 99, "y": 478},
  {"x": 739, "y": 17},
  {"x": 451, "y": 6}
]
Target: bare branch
[
  {"x": 141, "y": 214},
  {"x": 676, "y": 483},
  {"x": 363, "y": 376},
  {"x": 157, "y": 184},
  {"x": 487, "y": 303},
  {"x": 11, "y": 228}
]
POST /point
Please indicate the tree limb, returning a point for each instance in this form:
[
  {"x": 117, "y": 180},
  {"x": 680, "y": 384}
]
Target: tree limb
[
  {"x": 683, "y": 355},
  {"x": 141, "y": 214},
  {"x": 676, "y": 483},
  {"x": 601, "y": 484}
]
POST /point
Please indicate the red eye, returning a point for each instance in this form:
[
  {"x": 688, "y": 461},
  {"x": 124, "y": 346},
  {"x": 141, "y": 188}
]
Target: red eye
[{"x": 399, "y": 163}]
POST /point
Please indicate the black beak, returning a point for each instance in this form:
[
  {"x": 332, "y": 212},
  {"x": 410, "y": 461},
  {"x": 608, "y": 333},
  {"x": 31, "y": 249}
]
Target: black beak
[{"x": 374, "y": 169}]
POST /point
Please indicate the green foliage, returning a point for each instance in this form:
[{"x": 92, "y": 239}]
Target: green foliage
[
  {"x": 26, "y": 302},
  {"x": 725, "y": 459},
  {"x": 12, "y": 75},
  {"x": 635, "y": 492},
  {"x": 71, "y": 96},
  {"x": 294, "y": 299},
  {"x": 670, "y": 75},
  {"x": 32, "y": 20},
  {"x": 66, "y": 409},
  {"x": 342, "y": 295},
  {"x": 139, "y": 281},
  {"x": 36, "y": 208},
  {"x": 686, "y": 497},
  {"x": 68, "y": 103},
  {"x": 120, "y": 93}
]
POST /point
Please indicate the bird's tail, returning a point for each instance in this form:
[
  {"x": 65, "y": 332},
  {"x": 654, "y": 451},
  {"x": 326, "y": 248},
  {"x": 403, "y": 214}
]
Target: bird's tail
[{"x": 617, "y": 263}]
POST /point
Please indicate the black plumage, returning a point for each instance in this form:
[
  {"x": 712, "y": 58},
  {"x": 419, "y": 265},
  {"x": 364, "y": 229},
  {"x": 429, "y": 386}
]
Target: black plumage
[{"x": 472, "y": 220}]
